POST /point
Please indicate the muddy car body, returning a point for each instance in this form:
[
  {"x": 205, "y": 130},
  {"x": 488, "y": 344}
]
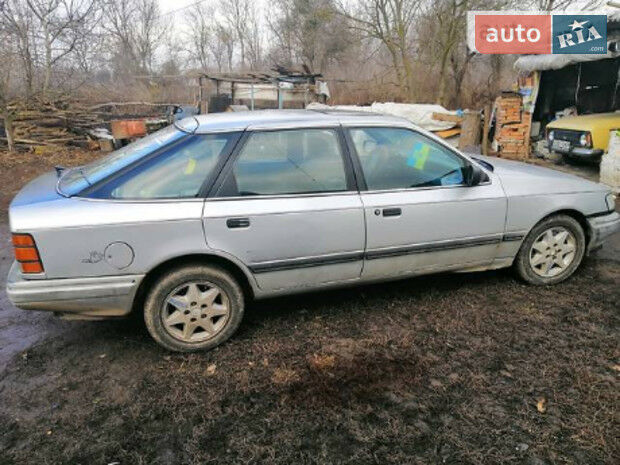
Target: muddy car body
[{"x": 191, "y": 222}]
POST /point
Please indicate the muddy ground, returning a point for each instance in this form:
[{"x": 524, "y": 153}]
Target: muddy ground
[{"x": 455, "y": 368}]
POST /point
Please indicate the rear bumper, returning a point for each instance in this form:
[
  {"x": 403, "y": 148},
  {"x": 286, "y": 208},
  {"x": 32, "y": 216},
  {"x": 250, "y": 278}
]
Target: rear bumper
[
  {"x": 601, "y": 227},
  {"x": 100, "y": 297}
]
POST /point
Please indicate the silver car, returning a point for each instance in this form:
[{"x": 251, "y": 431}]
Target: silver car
[{"x": 191, "y": 222}]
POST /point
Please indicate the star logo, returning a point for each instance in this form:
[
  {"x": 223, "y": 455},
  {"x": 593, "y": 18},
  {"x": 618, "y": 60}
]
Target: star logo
[{"x": 577, "y": 25}]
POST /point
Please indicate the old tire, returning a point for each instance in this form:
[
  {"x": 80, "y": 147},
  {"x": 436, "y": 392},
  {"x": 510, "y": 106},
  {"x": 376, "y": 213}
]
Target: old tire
[
  {"x": 192, "y": 308},
  {"x": 552, "y": 251}
]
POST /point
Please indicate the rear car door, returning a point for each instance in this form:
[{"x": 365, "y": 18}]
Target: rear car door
[
  {"x": 421, "y": 216},
  {"x": 287, "y": 206}
]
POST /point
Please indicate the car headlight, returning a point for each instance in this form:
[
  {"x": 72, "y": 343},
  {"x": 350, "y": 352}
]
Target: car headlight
[
  {"x": 610, "y": 200},
  {"x": 582, "y": 140},
  {"x": 585, "y": 140},
  {"x": 550, "y": 136}
]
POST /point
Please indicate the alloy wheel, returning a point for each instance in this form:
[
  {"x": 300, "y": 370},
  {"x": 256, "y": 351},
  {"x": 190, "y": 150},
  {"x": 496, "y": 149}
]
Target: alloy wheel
[
  {"x": 195, "y": 311},
  {"x": 553, "y": 251}
]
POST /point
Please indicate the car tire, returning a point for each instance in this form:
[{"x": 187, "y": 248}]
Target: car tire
[
  {"x": 194, "y": 308},
  {"x": 545, "y": 259}
]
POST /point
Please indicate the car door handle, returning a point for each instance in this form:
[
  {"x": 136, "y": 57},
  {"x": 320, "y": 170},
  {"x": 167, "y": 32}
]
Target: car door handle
[
  {"x": 238, "y": 223},
  {"x": 392, "y": 212}
]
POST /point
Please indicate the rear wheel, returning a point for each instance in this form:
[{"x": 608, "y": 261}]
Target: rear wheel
[
  {"x": 194, "y": 308},
  {"x": 552, "y": 251}
]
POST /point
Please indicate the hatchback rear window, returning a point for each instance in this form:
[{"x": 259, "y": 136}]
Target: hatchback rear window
[
  {"x": 78, "y": 179},
  {"x": 177, "y": 171}
]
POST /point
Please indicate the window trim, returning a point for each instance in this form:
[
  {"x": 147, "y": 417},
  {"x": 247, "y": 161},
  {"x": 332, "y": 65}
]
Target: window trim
[
  {"x": 207, "y": 182},
  {"x": 359, "y": 172},
  {"x": 350, "y": 176}
]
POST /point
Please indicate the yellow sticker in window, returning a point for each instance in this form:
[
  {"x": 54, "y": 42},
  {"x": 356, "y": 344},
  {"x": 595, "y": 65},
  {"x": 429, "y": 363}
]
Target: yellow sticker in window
[{"x": 191, "y": 166}]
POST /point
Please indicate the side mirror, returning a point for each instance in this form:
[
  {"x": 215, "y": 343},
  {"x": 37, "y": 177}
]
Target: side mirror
[{"x": 475, "y": 175}]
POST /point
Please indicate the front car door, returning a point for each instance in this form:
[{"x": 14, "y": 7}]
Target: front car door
[
  {"x": 286, "y": 205},
  {"x": 421, "y": 216}
]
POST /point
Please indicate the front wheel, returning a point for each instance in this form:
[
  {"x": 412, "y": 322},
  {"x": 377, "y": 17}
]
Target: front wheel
[
  {"x": 193, "y": 308},
  {"x": 552, "y": 251}
]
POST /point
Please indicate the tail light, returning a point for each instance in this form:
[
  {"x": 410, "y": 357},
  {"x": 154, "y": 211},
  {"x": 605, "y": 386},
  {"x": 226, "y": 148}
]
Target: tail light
[{"x": 26, "y": 253}]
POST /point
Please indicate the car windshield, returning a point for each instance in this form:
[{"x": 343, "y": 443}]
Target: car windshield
[{"x": 76, "y": 180}]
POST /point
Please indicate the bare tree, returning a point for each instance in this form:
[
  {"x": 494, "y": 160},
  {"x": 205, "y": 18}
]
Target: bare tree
[
  {"x": 18, "y": 24},
  {"x": 236, "y": 14},
  {"x": 62, "y": 24},
  {"x": 8, "y": 55},
  {"x": 391, "y": 23},
  {"x": 137, "y": 29},
  {"x": 310, "y": 31},
  {"x": 200, "y": 34},
  {"x": 282, "y": 26},
  {"x": 254, "y": 38},
  {"x": 223, "y": 47},
  {"x": 442, "y": 41},
  {"x": 450, "y": 20},
  {"x": 149, "y": 32}
]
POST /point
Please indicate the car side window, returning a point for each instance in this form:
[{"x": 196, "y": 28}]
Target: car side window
[
  {"x": 299, "y": 161},
  {"x": 177, "y": 172},
  {"x": 398, "y": 158}
]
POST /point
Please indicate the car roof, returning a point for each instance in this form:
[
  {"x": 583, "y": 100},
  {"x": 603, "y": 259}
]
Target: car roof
[{"x": 271, "y": 119}]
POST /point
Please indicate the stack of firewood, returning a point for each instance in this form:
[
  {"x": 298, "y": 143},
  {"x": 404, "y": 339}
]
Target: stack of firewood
[
  {"x": 512, "y": 131},
  {"x": 66, "y": 123},
  {"x": 49, "y": 123}
]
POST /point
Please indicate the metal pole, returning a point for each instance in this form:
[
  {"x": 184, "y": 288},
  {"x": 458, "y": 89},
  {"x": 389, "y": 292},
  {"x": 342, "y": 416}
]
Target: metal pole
[
  {"x": 578, "y": 85},
  {"x": 279, "y": 96}
]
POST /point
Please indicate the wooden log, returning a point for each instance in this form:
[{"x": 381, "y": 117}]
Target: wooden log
[
  {"x": 447, "y": 117},
  {"x": 470, "y": 134},
  {"x": 27, "y": 141},
  {"x": 485, "y": 130},
  {"x": 119, "y": 104},
  {"x": 447, "y": 133}
]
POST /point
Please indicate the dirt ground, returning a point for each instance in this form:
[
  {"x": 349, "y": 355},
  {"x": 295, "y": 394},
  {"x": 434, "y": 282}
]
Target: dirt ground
[{"x": 474, "y": 368}]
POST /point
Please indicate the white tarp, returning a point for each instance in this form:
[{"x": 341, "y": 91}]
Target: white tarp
[
  {"x": 417, "y": 113},
  {"x": 610, "y": 163},
  {"x": 323, "y": 89},
  {"x": 531, "y": 63}
]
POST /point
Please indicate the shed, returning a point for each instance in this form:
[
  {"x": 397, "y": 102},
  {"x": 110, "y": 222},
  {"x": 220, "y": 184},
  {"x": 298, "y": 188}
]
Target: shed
[
  {"x": 568, "y": 84},
  {"x": 278, "y": 88}
]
